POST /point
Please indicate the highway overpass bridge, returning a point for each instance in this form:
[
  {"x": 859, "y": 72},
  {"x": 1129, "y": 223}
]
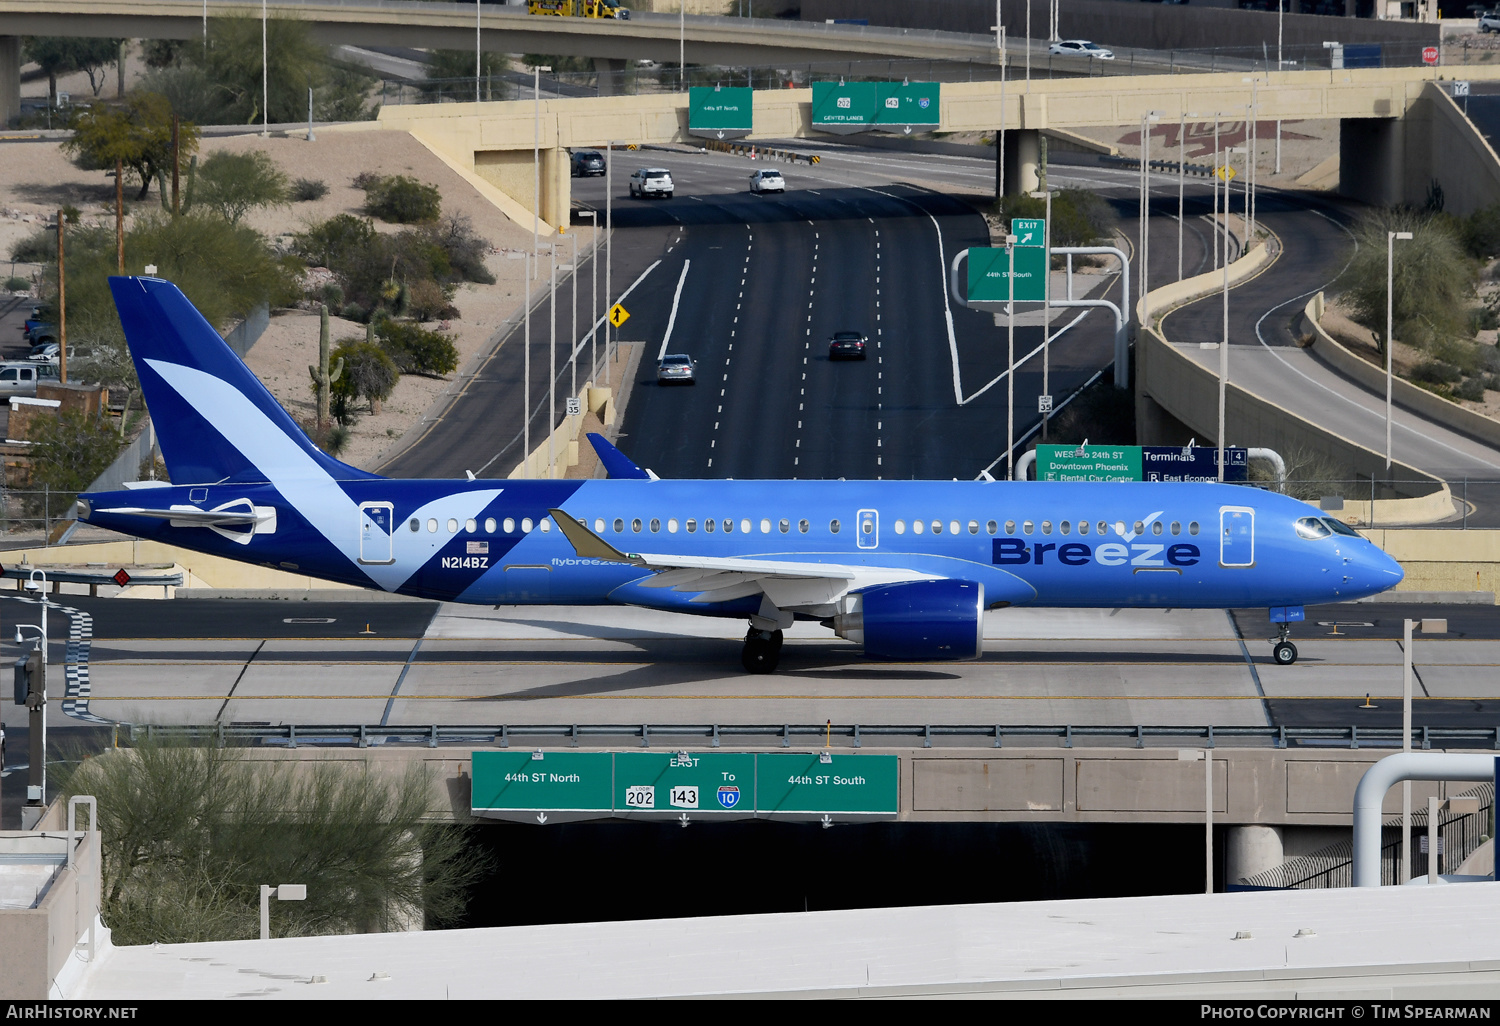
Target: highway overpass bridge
[{"x": 492, "y": 143}]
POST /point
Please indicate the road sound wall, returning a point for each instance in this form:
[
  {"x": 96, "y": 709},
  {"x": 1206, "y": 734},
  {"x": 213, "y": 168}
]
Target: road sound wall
[{"x": 1122, "y": 23}]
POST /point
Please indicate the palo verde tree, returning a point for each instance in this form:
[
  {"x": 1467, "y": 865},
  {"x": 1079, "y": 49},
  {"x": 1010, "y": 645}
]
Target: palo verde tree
[
  {"x": 190, "y": 834},
  {"x": 137, "y": 133},
  {"x": 1433, "y": 278},
  {"x": 233, "y": 184}
]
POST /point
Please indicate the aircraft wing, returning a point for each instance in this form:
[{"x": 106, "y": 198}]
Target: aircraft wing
[{"x": 719, "y": 579}]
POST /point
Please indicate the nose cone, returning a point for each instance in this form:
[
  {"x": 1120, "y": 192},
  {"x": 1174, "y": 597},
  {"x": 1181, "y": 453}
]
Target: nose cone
[{"x": 1374, "y": 572}]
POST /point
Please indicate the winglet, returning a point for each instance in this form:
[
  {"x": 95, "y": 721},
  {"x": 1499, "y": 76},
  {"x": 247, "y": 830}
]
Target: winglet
[
  {"x": 586, "y": 543},
  {"x": 616, "y": 463}
]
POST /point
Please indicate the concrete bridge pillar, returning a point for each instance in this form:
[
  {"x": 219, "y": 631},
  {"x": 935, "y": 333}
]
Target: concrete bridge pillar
[
  {"x": 10, "y": 78},
  {"x": 1023, "y": 160},
  {"x": 1250, "y": 850},
  {"x": 611, "y": 73}
]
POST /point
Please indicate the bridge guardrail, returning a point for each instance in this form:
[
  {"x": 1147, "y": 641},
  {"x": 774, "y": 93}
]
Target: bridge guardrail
[{"x": 818, "y": 734}]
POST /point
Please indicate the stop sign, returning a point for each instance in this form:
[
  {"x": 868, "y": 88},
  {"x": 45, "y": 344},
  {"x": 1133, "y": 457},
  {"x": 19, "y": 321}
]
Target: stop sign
[{"x": 1429, "y": 55}]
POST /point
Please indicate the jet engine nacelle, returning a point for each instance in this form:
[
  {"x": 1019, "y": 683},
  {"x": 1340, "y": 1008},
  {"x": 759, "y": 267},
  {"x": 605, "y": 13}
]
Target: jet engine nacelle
[{"x": 920, "y": 620}]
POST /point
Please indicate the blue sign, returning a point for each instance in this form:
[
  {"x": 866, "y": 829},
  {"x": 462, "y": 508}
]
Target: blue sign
[
  {"x": 729, "y": 796},
  {"x": 1192, "y": 463}
]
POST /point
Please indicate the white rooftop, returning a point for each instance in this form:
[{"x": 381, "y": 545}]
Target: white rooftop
[{"x": 1412, "y": 942}]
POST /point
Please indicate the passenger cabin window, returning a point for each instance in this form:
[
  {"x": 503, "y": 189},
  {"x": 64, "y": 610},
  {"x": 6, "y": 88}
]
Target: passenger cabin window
[
  {"x": 510, "y": 525},
  {"x": 598, "y": 526},
  {"x": 900, "y": 526},
  {"x": 1176, "y": 527},
  {"x": 1083, "y": 527},
  {"x": 1156, "y": 527},
  {"x": 708, "y": 526},
  {"x": 1312, "y": 528},
  {"x": 1046, "y": 527},
  {"x": 744, "y": 526},
  {"x": 1193, "y": 527},
  {"x": 489, "y": 525},
  {"x": 655, "y": 525},
  {"x": 1010, "y": 527},
  {"x": 692, "y": 526},
  {"x": 471, "y": 525},
  {"x": 916, "y": 527},
  {"x": 937, "y": 527},
  {"x": 973, "y": 527},
  {"x": 525, "y": 525},
  {"x": 635, "y": 525},
  {"x": 765, "y": 526},
  {"x": 546, "y": 526},
  {"x": 1140, "y": 528},
  {"x": 416, "y": 525},
  {"x": 833, "y": 527},
  {"x": 619, "y": 526},
  {"x": 785, "y": 526},
  {"x": 991, "y": 527},
  {"x": 802, "y": 526},
  {"x": 729, "y": 527},
  {"x": 432, "y": 526},
  {"x": 954, "y": 527},
  {"x": 1103, "y": 526},
  {"x": 1026, "y": 526},
  {"x": 672, "y": 526}
]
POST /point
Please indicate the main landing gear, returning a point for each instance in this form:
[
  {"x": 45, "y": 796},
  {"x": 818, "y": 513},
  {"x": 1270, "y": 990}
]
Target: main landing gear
[
  {"x": 762, "y": 651},
  {"x": 1282, "y": 650}
]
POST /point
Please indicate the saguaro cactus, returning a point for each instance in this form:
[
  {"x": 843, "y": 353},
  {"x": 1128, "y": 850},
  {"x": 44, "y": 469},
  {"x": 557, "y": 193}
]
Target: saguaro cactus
[{"x": 323, "y": 378}]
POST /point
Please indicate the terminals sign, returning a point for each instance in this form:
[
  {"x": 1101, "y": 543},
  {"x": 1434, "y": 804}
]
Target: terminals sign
[{"x": 618, "y": 315}]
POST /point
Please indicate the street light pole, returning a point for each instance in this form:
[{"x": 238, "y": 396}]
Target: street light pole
[
  {"x": 1390, "y": 278},
  {"x": 1181, "y": 181},
  {"x": 1147, "y": 120},
  {"x": 1224, "y": 342},
  {"x": 573, "y": 345},
  {"x": 609, "y": 248},
  {"x": 526, "y": 374},
  {"x": 36, "y": 700},
  {"x": 1405, "y": 747},
  {"x": 265, "y": 77},
  {"x": 552, "y": 372},
  {"x": 1010, "y": 375},
  {"x": 478, "y": 61},
  {"x": 536, "y": 161}
]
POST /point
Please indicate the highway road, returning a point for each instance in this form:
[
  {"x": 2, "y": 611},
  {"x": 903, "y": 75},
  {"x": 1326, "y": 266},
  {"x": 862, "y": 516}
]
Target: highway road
[{"x": 860, "y": 241}]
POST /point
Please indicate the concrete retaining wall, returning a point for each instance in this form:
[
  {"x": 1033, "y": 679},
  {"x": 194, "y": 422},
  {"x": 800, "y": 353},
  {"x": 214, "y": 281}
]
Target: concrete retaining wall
[{"x": 1116, "y": 23}]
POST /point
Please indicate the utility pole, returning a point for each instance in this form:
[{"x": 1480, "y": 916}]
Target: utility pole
[
  {"x": 120, "y": 214},
  {"x": 62, "y": 304}
]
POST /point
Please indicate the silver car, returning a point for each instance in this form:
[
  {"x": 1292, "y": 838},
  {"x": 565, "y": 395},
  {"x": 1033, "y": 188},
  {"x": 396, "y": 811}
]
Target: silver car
[{"x": 675, "y": 369}]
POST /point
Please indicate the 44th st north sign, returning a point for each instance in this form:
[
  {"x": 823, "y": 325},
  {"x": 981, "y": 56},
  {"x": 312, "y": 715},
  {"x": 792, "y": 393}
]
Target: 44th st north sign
[{"x": 715, "y": 112}]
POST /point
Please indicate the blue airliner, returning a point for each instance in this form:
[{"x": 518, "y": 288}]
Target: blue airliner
[{"x": 907, "y": 570}]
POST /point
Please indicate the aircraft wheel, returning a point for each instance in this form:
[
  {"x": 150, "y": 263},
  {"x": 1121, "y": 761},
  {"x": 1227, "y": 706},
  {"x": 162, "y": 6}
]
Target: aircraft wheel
[
  {"x": 1285, "y": 653},
  {"x": 762, "y": 651}
]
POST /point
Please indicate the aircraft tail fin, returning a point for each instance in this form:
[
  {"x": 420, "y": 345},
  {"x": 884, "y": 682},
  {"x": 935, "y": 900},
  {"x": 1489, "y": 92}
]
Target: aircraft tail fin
[
  {"x": 616, "y": 463},
  {"x": 214, "y": 419}
]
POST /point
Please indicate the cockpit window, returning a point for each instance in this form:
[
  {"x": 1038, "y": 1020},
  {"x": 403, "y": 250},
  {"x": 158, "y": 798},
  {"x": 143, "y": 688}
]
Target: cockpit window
[
  {"x": 1312, "y": 527},
  {"x": 1339, "y": 528}
]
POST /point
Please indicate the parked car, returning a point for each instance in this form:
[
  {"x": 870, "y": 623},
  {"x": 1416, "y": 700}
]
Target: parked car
[
  {"x": 39, "y": 332},
  {"x": 1489, "y": 21},
  {"x": 675, "y": 369},
  {"x": 1081, "y": 48},
  {"x": 588, "y": 163},
  {"x": 651, "y": 181},
  {"x": 22, "y": 378},
  {"x": 847, "y": 345},
  {"x": 767, "y": 179},
  {"x": 47, "y": 353}
]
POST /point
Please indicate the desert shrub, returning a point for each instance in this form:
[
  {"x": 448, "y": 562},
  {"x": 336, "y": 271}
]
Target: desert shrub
[
  {"x": 233, "y": 184},
  {"x": 417, "y": 350},
  {"x": 190, "y": 834},
  {"x": 402, "y": 200},
  {"x": 17, "y": 284},
  {"x": 305, "y": 190},
  {"x": 1471, "y": 389},
  {"x": 1435, "y": 372},
  {"x": 368, "y": 374},
  {"x": 379, "y": 271},
  {"x": 1079, "y": 217},
  {"x": 1434, "y": 278},
  {"x": 1480, "y": 232},
  {"x": 428, "y": 301}
]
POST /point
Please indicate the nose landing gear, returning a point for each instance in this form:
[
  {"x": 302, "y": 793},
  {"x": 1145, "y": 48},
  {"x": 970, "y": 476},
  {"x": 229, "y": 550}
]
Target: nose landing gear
[
  {"x": 1282, "y": 650},
  {"x": 762, "y": 651}
]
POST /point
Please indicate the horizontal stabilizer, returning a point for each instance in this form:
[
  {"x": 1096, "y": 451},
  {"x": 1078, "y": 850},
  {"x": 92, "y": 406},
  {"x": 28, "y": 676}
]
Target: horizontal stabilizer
[
  {"x": 616, "y": 463},
  {"x": 190, "y": 515}
]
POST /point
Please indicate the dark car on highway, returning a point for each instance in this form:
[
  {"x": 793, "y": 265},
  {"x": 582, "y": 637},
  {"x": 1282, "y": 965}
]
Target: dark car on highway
[
  {"x": 587, "y": 163},
  {"x": 847, "y": 345}
]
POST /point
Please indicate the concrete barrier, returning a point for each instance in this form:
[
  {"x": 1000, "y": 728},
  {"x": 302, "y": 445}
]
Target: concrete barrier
[{"x": 1403, "y": 393}]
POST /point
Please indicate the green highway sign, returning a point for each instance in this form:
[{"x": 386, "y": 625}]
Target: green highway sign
[
  {"x": 651, "y": 784},
  {"x": 1029, "y": 231},
  {"x": 909, "y": 104},
  {"x": 840, "y": 107},
  {"x": 719, "y": 113},
  {"x": 545, "y": 787},
  {"x": 988, "y": 270},
  {"x": 805, "y": 786},
  {"x": 1088, "y": 463},
  {"x": 561, "y": 785},
  {"x": 843, "y": 108}
]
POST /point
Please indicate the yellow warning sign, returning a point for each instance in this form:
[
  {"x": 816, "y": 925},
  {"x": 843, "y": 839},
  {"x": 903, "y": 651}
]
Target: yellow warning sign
[
  {"x": 1225, "y": 173},
  {"x": 618, "y": 315}
]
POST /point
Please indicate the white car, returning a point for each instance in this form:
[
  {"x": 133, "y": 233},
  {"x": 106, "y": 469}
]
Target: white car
[
  {"x": 651, "y": 181},
  {"x": 1489, "y": 21},
  {"x": 1081, "y": 48},
  {"x": 767, "y": 180}
]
